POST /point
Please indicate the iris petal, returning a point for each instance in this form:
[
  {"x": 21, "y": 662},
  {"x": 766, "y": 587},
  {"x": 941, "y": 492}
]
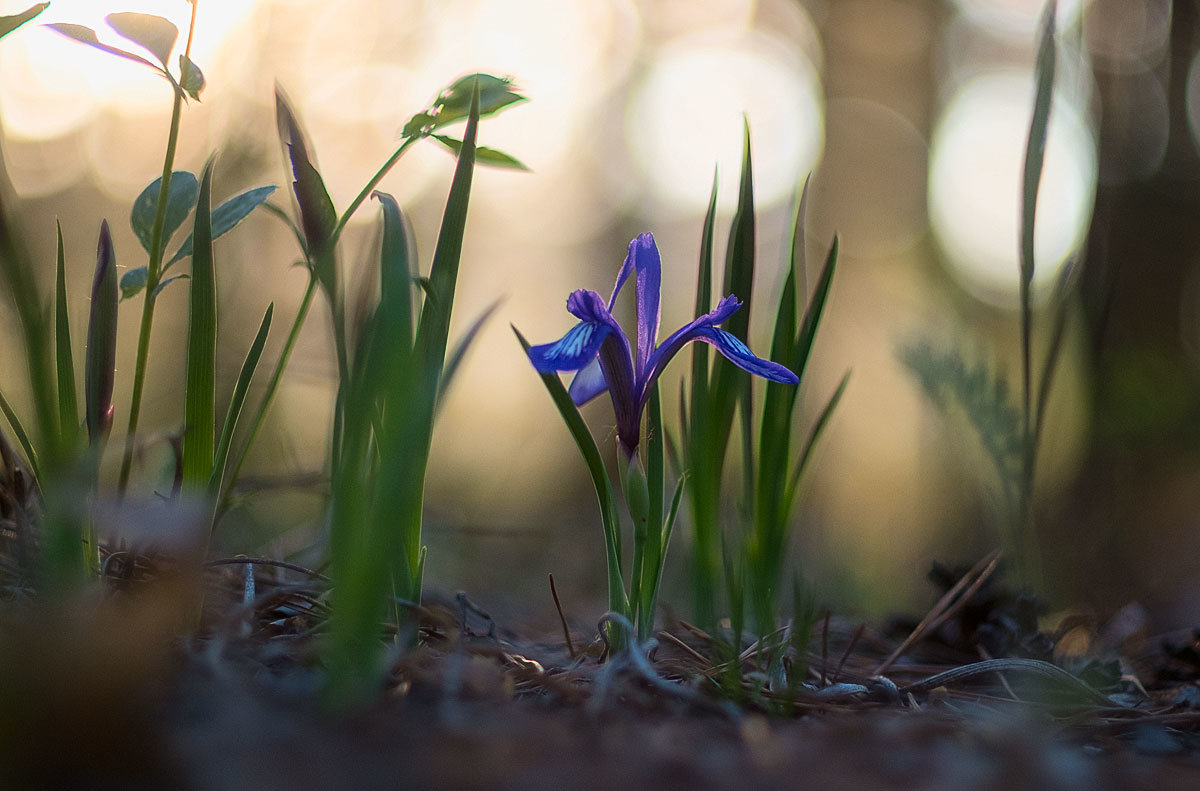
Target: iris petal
[
  {"x": 685, "y": 334},
  {"x": 588, "y": 383},
  {"x": 737, "y": 353},
  {"x": 649, "y": 279},
  {"x": 572, "y": 351}
]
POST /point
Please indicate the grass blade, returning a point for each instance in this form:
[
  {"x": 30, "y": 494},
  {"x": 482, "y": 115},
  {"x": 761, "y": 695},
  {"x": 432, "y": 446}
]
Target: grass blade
[
  {"x": 704, "y": 300},
  {"x": 200, "y": 388},
  {"x": 68, "y": 403},
  {"x": 1035, "y": 153},
  {"x": 22, "y": 436},
  {"x": 397, "y": 265},
  {"x": 236, "y": 402},
  {"x": 1057, "y": 333},
  {"x": 814, "y": 435},
  {"x": 603, "y": 486}
]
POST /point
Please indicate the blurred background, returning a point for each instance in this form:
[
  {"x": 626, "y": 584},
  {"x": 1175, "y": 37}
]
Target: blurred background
[{"x": 911, "y": 116}]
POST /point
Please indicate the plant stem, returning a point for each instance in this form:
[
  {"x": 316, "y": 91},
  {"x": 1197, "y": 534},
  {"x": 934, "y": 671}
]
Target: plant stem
[
  {"x": 152, "y": 275},
  {"x": 366, "y": 191}
]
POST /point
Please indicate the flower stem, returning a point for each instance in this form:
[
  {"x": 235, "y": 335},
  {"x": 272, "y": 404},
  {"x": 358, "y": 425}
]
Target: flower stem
[{"x": 366, "y": 191}]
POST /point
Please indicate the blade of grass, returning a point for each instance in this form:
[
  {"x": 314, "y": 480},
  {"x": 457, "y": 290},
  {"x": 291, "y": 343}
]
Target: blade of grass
[
  {"x": 1057, "y": 333},
  {"x": 260, "y": 415},
  {"x": 605, "y": 494},
  {"x": 652, "y": 558},
  {"x": 68, "y": 404},
  {"x": 814, "y": 434},
  {"x": 236, "y": 401},
  {"x": 1035, "y": 152},
  {"x": 200, "y": 384},
  {"x": 705, "y": 560},
  {"x": 22, "y": 436}
]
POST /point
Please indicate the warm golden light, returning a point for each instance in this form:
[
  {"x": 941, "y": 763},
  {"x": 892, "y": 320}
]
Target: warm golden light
[
  {"x": 976, "y": 163},
  {"x": 686, "y": 117}
]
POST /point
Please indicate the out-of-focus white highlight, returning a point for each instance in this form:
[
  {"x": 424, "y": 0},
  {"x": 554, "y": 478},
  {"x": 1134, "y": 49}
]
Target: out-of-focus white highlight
[
  {"x": 686, "y": 117},
  {"x": 976, "y": 169}
]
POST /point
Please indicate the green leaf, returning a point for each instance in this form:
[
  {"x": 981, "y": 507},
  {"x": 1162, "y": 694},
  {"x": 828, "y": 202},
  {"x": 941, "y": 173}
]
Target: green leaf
[
  {"x": 200, "y": 376},
  {"x": 454, "y": 102},
  {"x": 484, "y": 155},
  {"x": 85, "y": 35},
  {"x": 11, "y": 22},
  {"x": 152, "y": 32},
  {"x": 434, "y": 327},
  {"x": 397, "y": 268},
  {"x": 802, "y": 349},
  {"x": 1062, "y": 292},
  {"x": 703, "y": 303},
  {"x": 191, "y": 79},
  {"x": 226, "y": 216},
  {"x": 22, "y": 436},
  {"x": 166, "y": 282},
  {"x": 814, "y": 434},
  {"x": 181, "y": 197},
  {"x": 100, "y": 358},
  {"x": 739, "y": 261},
  {"x": 236, "y": 401},
  {"x": 772, "y": 507},
  {"x": 600, "y": 481},
  {"x": 1035, "y": 149},
  {"x": 68, "y": 404},
  {"x": 133, "y": 281}
]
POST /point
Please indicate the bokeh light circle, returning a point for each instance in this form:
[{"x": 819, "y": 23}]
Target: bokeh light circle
[
  {"x": 976, "y": 164},
  {"x": 686, "y": 116}
]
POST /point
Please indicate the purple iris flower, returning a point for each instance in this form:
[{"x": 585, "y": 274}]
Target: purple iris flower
[{"x": 600, "y": 351}]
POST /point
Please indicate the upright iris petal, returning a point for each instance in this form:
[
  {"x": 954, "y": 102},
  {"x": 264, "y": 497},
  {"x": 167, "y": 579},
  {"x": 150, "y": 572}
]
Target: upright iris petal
[{"x": 600, "y": 351}]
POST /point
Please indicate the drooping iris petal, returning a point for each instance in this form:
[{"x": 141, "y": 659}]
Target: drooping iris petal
[
  {"x": 682, "y": 336},
  {"x": 572, "y": 351},
  {"x": 737, "y": 353},
  {"x": 588, "y": 383},
  {"x": 649, "y": 277}
]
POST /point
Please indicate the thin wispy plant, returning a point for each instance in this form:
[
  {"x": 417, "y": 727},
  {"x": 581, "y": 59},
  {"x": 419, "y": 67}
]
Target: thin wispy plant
[{"x": 1011, "y": 433}]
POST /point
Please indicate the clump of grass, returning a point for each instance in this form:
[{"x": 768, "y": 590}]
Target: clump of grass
[{"x": 392, "y": 371}]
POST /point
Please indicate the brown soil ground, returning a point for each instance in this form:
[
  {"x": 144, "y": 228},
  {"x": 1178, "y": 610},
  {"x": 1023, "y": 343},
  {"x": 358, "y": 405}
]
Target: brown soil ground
[{"x": 107, "y": 695}]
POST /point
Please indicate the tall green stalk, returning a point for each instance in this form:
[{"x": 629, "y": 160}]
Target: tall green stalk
[{"x": 154, "y": 273}]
